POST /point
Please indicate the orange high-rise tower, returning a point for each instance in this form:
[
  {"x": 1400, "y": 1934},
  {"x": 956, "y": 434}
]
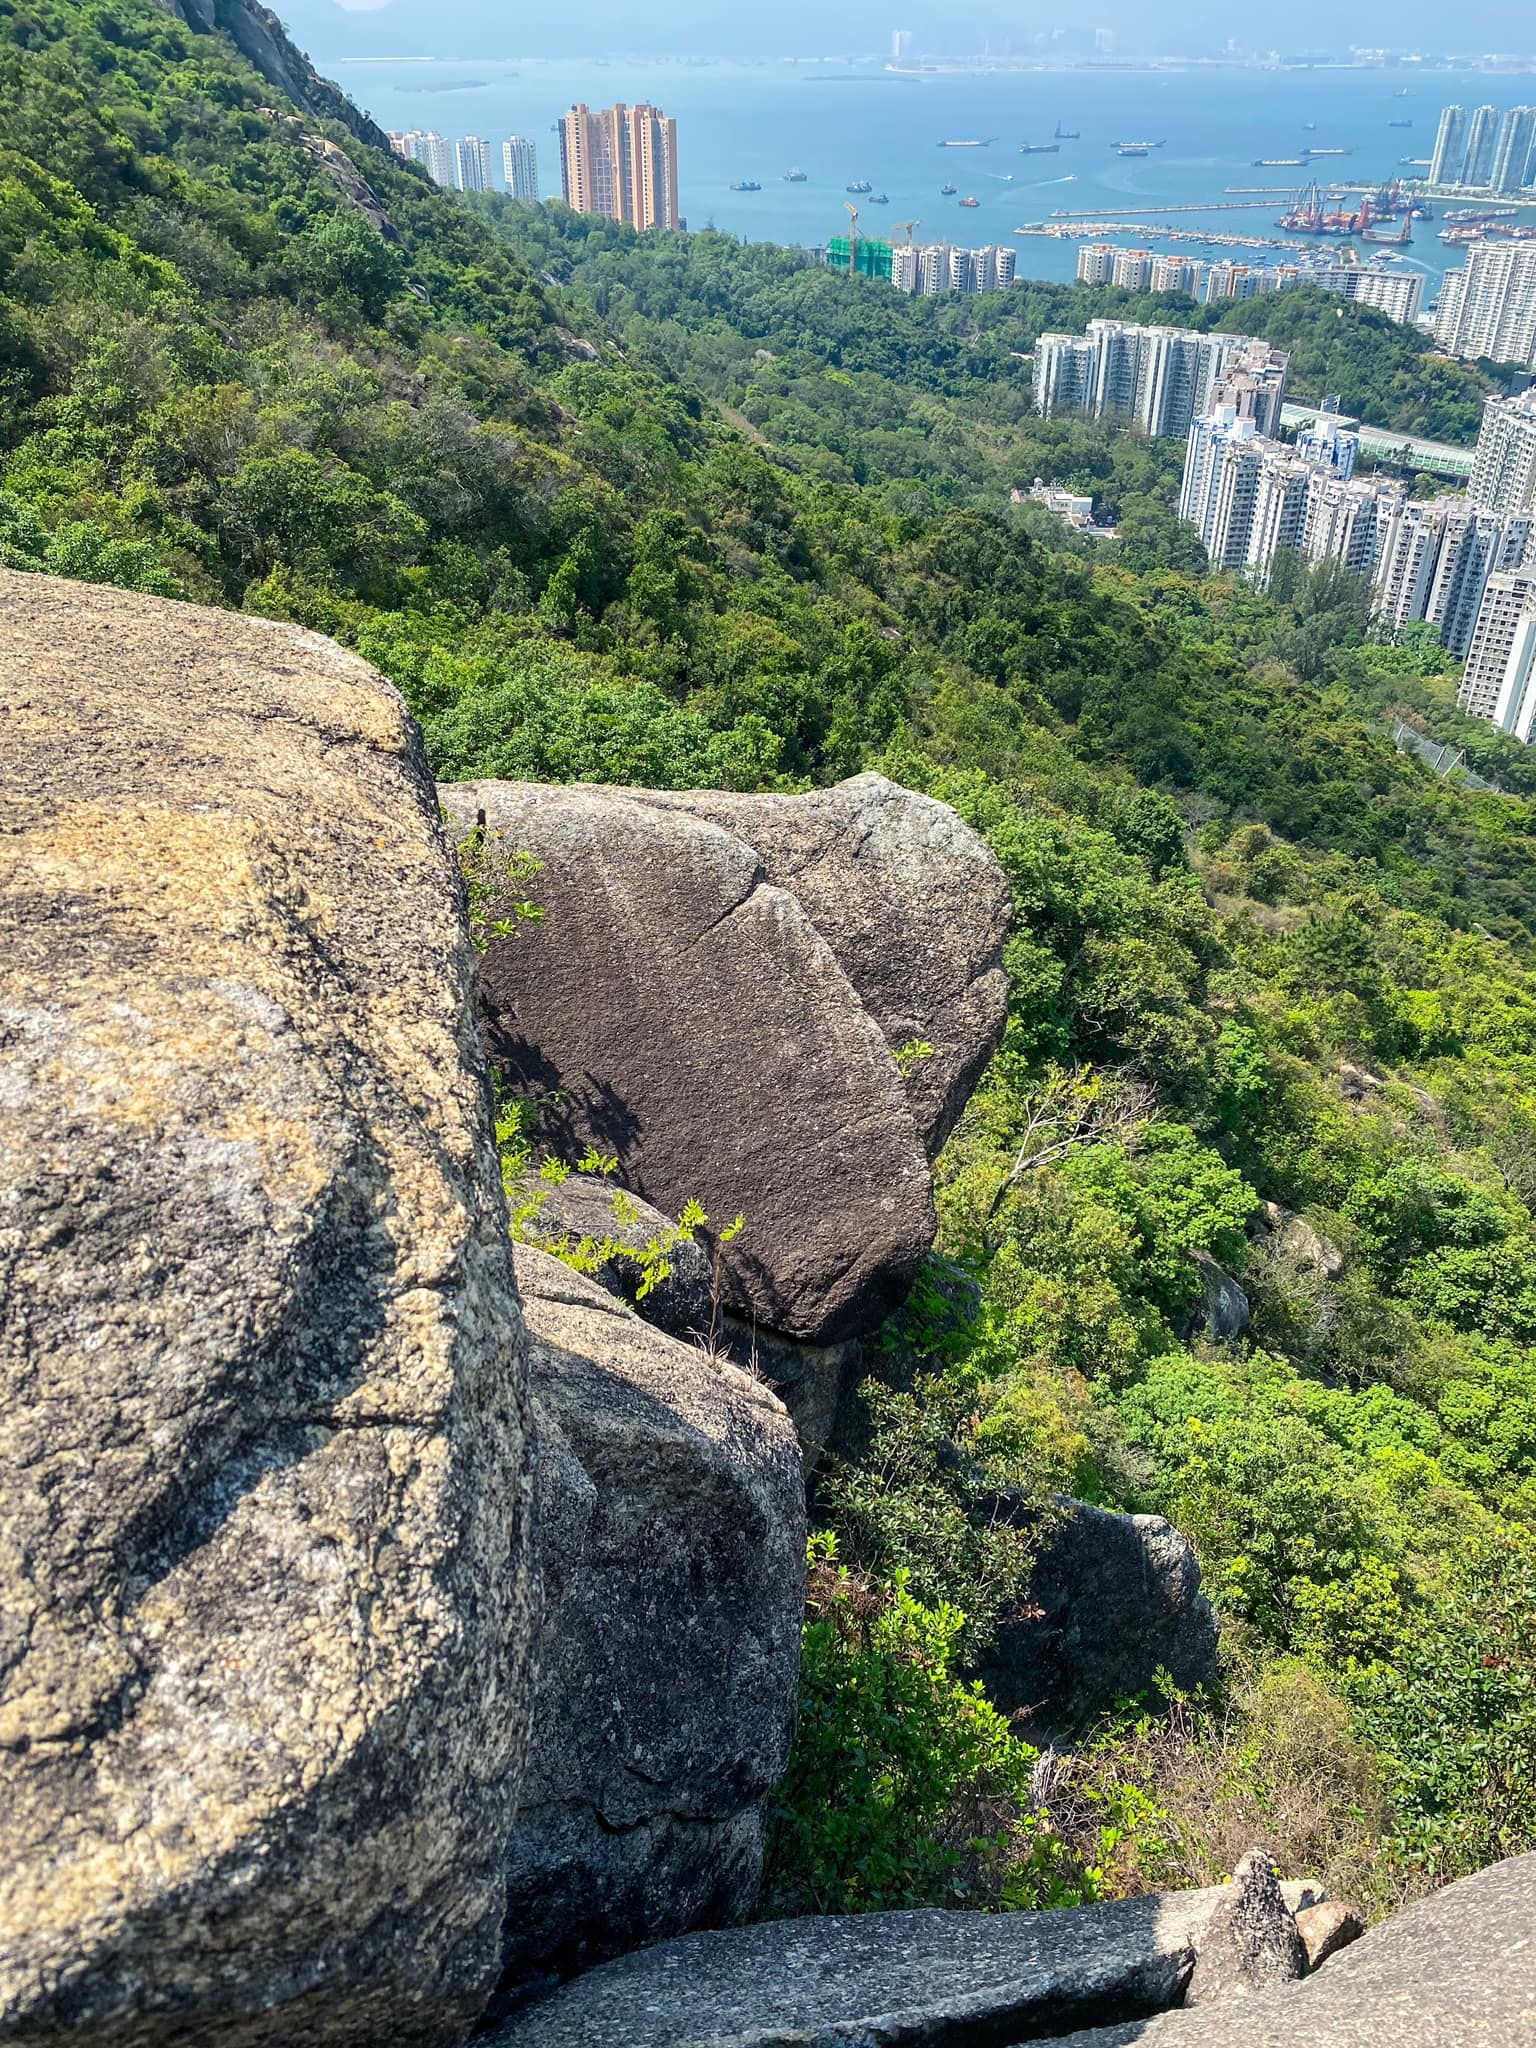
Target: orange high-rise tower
[{"x": 621, "y": 162}]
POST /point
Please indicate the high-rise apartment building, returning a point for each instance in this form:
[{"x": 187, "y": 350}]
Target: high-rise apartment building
[
  {"x": 1228, "y": 280},
  {"x": 1132, "y": 269},
  {"x": 901, "y": 45},
  {"x": 1504, "y": 468},
  {"x": 1482, "y": 137},
  {"x": 621, "y": 162},
  {"x": 472, "y": 163},
  {"x": 1160, "y": 378},
  {"x": 932, "y": 268},
  {"x": 520, "y": 167},
  {"x": 1397, "y": 293},
  {"x": 1489, "y": 307},
  {"x": 1096, "y": 263},
  {"x": 1450, "y": 147},
  {"x": 426, "y": 147},
  {"x": 1178, "y": 274},
  {"x": 1330, "y": 444},
  {"x": 1512, "y": 152},
  {"x": 1440, "y": 561},
  {"x": 1500, "y": 678},
  {"x": 1250, "y": 497}
]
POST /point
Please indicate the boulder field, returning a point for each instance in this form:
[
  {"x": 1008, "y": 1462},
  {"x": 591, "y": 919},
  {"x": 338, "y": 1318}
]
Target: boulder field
[{"x": 393, "y": 1621}]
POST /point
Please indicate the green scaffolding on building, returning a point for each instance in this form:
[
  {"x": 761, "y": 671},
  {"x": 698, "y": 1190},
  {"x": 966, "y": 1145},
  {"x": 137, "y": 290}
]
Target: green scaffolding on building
[{"x": 874, "y": 258}]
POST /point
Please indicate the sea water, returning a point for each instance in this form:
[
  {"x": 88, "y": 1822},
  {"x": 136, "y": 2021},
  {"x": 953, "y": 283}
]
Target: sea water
[{"x": 841, "y": 122}]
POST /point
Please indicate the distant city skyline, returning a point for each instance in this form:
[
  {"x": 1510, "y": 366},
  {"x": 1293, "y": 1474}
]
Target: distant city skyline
[{"x": 805, "y": 27}]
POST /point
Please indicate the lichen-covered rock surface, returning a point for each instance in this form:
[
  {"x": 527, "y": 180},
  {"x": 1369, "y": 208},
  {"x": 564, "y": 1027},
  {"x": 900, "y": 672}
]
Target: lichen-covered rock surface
[
  {"x": 263, "y": 1655},
  {"x": 672, "y": 1535},
  {"x": 723, "y": 1015}
]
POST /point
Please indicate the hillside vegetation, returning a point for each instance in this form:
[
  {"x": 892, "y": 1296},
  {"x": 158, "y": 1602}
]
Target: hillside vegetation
[{"x": 1259, "y": 957}]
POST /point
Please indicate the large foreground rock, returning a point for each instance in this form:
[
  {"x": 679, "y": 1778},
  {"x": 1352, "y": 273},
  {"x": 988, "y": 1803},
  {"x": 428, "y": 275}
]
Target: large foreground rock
[
  {"x": 263, "y": 1686},
  {"x": 913, "y": 904},
  {"x": 1458, "y": 1970},
  {"x": 883, "y": 1980},
  {"x": 1113, "y": 1599},
  {"x": 672, "y": 1536},
  {"x": 685, "y": 1014}
]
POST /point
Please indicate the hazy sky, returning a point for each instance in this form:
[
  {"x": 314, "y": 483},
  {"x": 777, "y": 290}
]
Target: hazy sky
[{"x": 814, "y": 27}]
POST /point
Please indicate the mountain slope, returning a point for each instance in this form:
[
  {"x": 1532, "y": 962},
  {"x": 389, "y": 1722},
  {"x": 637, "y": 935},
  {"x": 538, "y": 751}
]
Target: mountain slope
[{"x": 1260, "y": 957}]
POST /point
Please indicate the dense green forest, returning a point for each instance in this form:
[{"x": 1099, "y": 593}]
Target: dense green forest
[{"x": 682, "y": 513}]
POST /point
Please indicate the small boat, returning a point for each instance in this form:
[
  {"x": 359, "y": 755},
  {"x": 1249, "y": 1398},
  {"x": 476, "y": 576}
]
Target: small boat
[
  {"x": 1309, "y": 127},
  {"x": 794, "y": 177},
  {"x": 747, "y": 185},
  {"x": 970, "y": 202},
  {"x": 879, "y": 199},
  {"x": 949, "y": 191},
  {"x": 1040, "y": 149},
  {"x": 859, "y": 187},
  {"x": 1399, "y": 124},
  {"x": 1068, "y": 134}
]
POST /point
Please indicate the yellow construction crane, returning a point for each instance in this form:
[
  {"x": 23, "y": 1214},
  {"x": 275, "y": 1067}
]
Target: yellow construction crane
[
  {"x": 853, "y": 237},
  {"x": 905, "y": 227}
]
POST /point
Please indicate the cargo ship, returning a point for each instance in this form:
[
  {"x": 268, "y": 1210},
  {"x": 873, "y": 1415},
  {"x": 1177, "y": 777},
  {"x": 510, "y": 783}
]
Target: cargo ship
[
  {"x": 970, "y": 142},
  {"x": 794, "y": 177},
  {"x": 1136, "y": 148},
  {"x": 948, "y": 191},
  {"x": 879, "y": 199},
  {"x": 1039, "y": 149},
  {"x": 970, "y": 202},
  {"x": 1279, "y": 163},
  {"x": 859, "y": 187},
  {"x": 1068, "y": 134},
  {"x": 747, "y": 185}
]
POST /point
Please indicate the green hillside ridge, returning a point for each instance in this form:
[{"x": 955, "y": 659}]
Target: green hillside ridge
[{"x": 1259, "y": 955}]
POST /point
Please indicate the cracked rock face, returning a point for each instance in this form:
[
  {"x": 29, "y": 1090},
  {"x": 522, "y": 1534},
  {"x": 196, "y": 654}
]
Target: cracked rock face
[
  {"x": 715, "y": 996},
  {"x": 263, "y": 1678},
  {"x": 671, "y": 1519},
  {"x": 911, "y": 901}
]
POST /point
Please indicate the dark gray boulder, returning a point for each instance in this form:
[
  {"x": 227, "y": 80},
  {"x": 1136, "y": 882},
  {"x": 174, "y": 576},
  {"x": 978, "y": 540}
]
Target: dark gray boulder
[
  {"x": 1251, "y": 1943},
  {"x": 584, "y": 1209},
  {"x": 1113, "y": 1599},
  {"x": 264, "y": 1607},
  {"x": 671, "y": 1531},
  {"x": 1457, "y": 1970},
  {"x": 912, "y": 902},
  {"x": 881, "y": 1980},
  {"x": 680, "y": 1012},
  {"x": 810, "y": 1379}
]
